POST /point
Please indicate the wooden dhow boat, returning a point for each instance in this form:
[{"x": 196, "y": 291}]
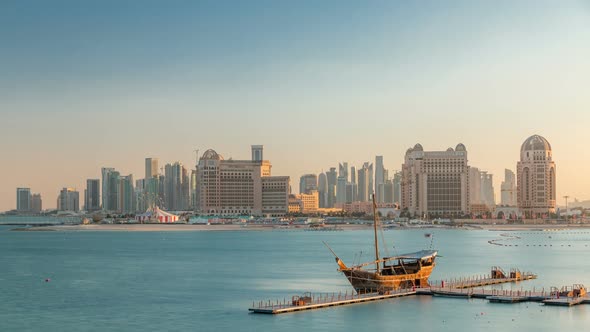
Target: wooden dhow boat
[{"x": 405, "y": 271}]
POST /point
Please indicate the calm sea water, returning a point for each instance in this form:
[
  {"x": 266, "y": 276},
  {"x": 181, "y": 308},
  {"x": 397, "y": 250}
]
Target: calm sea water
[{"x": 205, "y": 281}]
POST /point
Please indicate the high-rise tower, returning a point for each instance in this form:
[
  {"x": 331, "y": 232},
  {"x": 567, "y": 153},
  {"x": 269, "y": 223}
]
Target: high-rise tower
[
  {"x": 151, "y": 168},
  {"x": 110, "y": 181},
  {"x": 332, "y": 178},
  {"x": 23, "y": 199},
  {"x": 379, "y": 179},
  {"x": 323, "y": 190},
  {"x": 92, "y": 195},
  {"x": 508, "y": 189},
  {"x": 308, "y": 183}
]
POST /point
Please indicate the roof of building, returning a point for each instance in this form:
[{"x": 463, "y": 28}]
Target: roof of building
[
  {"x": 536, "y": 143},
  {"x": 211, "y": 155}
]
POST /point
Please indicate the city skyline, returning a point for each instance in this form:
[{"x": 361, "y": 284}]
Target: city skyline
[
  {"x": 316, "y": 84},
  {"x": 295, "y": 181}
]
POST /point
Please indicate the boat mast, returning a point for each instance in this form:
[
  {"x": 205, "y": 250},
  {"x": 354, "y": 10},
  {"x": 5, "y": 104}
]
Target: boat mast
[{"x": 375, "y": 230}]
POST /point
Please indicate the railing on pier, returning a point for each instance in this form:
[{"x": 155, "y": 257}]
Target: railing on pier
[
  {"x": 329, "y": 298},
  {"x": 480, "y": 280},
  {"x": 472, "y": 286},
  {"x": 539, "y": 294}
]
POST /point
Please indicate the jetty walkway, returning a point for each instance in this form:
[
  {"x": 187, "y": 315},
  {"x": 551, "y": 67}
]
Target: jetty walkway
[
  {"x": 472, "y": 287},
  {"x": 317, "y": 301}
]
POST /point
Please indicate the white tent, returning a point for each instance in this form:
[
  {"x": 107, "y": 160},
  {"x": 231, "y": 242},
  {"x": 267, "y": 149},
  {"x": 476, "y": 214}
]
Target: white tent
[{"x": 158, "y": 215}]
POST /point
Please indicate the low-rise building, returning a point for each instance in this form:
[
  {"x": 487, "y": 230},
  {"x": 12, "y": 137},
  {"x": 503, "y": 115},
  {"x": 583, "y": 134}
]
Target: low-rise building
[
  {"x": 36, "y": 203},
  {"x": 304, "y": 203}
]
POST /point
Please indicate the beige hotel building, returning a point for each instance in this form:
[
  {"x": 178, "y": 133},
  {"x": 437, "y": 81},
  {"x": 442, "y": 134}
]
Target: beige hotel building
[
  {"x": 241, "y": 187},
  {"x": 435, "y": 183}
]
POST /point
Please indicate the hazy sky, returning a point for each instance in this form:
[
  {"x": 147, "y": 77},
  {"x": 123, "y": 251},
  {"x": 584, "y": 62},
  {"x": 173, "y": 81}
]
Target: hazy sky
[{"x": 86, "y": 84}]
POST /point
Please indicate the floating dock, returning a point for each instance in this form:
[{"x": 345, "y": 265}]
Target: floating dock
[
  {"x": 549, "y": 297},
  {"x": 507, "y": 299},
  {"x": 323, "y": 301},
  {"x": 460, "y": 287},
  {"x": 568, "y": 301},
  {"x": 498, "y": 276}
]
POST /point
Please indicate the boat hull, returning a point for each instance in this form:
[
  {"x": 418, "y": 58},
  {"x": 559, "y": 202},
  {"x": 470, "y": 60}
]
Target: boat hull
[{"x": 366, "y": 281}]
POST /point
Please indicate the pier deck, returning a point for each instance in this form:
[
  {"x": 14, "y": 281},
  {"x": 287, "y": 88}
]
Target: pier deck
[
  {"x": 508, "y": 296},
  {"x": 567, "y": 301},
  {"x": 324, "y": 301},
  {"x": 472, "y": 287},
  {"x": 480, "y": 281},
  {"x": 507, "y": 299}
]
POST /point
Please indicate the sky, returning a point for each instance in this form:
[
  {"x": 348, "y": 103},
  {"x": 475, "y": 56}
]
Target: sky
[{"x": 91, "y": 84}]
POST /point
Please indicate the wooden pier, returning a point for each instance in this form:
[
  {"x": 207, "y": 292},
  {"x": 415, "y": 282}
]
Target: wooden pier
[
  {"x": 548, "y": 297},
  {"x": 493, "y": 295},
  {"x": 497, "y": 276},
  {"x": 507, "y": 299},
  {"x": 318, "y": 301},
  {"x": 471, "y": 287},
  {"x": 568, "y": 301},
  {"x": 458, "y": 287}
]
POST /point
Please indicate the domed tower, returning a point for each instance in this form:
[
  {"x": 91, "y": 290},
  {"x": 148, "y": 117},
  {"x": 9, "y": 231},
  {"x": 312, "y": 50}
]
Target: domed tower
[{"x": 536, "y": 189}]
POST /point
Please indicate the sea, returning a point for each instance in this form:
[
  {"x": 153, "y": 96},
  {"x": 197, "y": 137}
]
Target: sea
[{"x": 207, "y": 280}]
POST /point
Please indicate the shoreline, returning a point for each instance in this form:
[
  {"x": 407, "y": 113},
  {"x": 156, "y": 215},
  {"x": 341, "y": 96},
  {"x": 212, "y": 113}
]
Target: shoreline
[{"x": 345, "y": 227}]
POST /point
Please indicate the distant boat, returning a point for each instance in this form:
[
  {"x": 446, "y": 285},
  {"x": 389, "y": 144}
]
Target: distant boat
[
  {"x": 427, "y": 235},
  {"x": 389, "y": 273}
]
